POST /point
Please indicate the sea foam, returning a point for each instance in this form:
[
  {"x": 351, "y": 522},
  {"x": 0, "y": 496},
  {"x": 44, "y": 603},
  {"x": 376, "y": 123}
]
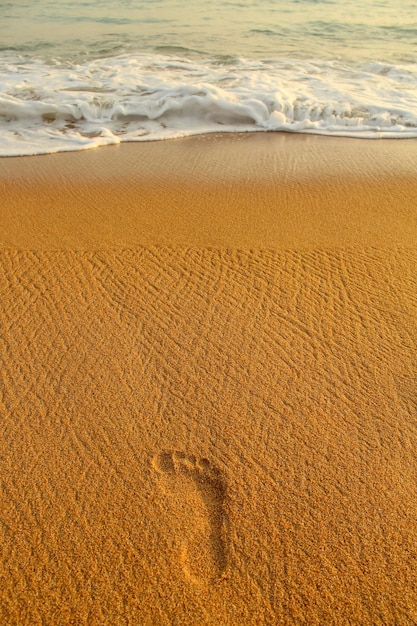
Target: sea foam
[{"x": 60, "y": 106}]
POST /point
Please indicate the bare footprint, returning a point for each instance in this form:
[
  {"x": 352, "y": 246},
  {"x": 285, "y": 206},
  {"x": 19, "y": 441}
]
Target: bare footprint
[{"x": 197, "y": 493}]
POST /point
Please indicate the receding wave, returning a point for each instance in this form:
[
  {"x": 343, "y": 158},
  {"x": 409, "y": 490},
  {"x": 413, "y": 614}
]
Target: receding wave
[{"x": 56, "y": 106}]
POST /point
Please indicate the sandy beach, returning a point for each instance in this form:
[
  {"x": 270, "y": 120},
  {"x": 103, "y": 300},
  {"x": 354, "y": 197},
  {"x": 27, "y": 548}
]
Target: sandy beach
[{"x": 209, "y": 394}]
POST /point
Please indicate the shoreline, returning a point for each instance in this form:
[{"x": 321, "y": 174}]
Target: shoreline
[
  {"x": 209, "y": 398},
  {"x": 285, "y": 191}
]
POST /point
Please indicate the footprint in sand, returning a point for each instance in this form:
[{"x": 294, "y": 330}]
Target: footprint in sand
[{"x": 197, "y": 493}]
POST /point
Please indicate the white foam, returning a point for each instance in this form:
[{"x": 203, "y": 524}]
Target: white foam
[{"x": 53, "y": 107}]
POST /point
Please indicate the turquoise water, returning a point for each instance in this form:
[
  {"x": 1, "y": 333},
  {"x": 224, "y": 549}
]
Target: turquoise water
[{"x": 74, "y": 75}]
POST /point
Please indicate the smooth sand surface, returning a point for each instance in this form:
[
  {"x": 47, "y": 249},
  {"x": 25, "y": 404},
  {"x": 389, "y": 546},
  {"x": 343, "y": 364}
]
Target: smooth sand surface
[{"x": 208, "y": 397}]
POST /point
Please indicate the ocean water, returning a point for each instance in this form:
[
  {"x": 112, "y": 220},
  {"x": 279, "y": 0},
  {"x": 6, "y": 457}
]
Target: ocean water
[{"x": 80, "y": 74}]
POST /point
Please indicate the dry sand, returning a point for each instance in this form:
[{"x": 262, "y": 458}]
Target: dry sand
[{"x": 208, "y": 400}]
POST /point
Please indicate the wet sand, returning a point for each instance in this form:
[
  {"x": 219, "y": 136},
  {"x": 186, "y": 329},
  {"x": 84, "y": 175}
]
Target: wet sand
[{"x": 209, "y": 394}]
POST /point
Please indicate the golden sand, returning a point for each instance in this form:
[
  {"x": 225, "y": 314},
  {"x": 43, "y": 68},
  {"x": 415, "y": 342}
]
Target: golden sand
[{"x": 208, "y": 396}]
